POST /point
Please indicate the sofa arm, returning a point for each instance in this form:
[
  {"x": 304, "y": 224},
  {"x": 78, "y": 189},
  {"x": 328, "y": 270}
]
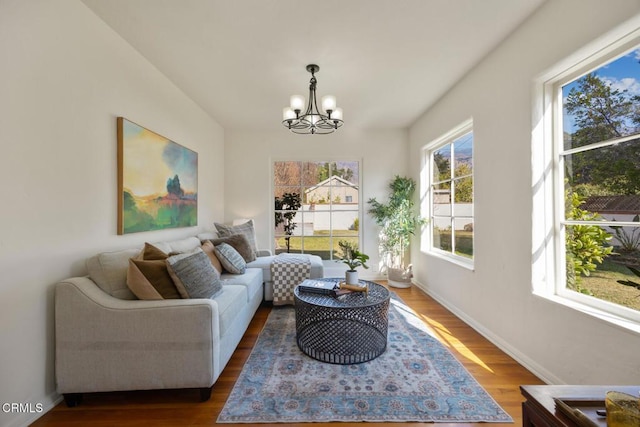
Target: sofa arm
[
  {"x": 263, "y": 252},
  {"x": 106, "y": 344}
]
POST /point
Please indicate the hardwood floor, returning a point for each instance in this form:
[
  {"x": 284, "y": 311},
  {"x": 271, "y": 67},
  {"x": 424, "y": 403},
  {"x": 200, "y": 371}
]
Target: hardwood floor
[{"x": 498, "y": 373}]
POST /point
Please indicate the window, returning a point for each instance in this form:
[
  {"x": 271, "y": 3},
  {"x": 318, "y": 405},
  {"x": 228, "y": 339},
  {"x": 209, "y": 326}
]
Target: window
[
  {"x": 591, "y": 198},
  {"x": 450, "y": 161},
  {"x": 316, "y": 204}
]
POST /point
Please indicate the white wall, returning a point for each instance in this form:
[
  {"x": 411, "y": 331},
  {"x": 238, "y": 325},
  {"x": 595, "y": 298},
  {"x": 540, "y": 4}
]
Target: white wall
[
  {"x": 248, "y": 184},
  {"x": 65, "y": 77},
  {"x": 559, "y": 344}
]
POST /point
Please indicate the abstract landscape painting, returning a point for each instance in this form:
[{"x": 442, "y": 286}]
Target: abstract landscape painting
[{"x": 157, "y": 181}]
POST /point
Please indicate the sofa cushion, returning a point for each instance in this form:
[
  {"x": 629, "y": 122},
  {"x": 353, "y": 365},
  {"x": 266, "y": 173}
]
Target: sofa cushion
[
  {"x": 251, "y": 279},
  {"x": 231, "y": 301},
  {"x": 109, "y": 271},
  {"x": 240, "y": 243},
  {"x": 230, "y": 259},
  {"x": 178, "y": 246},
  {"x": 148, "y": 276},
  {"x": 246, "y": 229},
  {"x": 207, "y": 248},
  {"x": 193, "y": 275}
]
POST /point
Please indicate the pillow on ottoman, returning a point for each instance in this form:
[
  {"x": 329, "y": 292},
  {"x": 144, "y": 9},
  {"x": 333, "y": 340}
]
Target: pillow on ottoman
[
  {"x": 194, "y": 275},
  {"x": 147, "y": 276},
  {"x": 230, "y": 259}
]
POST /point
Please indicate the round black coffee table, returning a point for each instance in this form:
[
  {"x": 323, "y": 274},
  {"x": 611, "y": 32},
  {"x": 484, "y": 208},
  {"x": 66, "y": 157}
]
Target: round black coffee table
[{"x": 345, "y": 330}]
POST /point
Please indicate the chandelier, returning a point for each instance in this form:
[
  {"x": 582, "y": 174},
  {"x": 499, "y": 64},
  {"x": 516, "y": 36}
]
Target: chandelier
[{"x": 312, "y": 120}]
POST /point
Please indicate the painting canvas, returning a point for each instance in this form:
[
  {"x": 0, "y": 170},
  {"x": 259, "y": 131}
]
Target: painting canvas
[{"x": 157, "y": 181}]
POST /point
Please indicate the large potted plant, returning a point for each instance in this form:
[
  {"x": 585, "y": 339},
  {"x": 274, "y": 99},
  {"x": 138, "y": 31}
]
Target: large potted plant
[
  {"x": 398, "y": 221},
  {"x": 354, "y": 259}
]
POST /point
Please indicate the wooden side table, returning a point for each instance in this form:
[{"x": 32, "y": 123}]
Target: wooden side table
[{"x": 539, "y": 409}]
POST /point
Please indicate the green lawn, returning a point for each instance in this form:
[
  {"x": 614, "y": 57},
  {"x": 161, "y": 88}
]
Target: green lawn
[
  {"x": 319, "y": 244},
  {"x": 602, "y": 284}
]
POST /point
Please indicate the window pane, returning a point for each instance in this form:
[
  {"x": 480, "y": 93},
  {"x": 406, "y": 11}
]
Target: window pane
[
  {"x": 602, "y": 281},
  {"x": 319, "y": 245},
  {"x": 287, "y": 173},
  {"x": 463, "y": 193},
  {"x": 601, "y": 105},
  {"x": 441, "y": 194},
  {"x": 606, "y": 180},
  {"x": 464, "y": 237},
  {"x": 315, "y": 200},
  {"x": 314, "y": 172},
  {"x": 442, "y": 164},
  {"x": 442, "y": 233},
  {"x": 463, "y": 151}
]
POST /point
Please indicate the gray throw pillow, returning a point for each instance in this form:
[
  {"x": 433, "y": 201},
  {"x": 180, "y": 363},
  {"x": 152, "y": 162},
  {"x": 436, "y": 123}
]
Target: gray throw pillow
[
  {"x": 246, "y": 229},
  {"x": 193, "y": 275},
  {"x": 240, "y": 243},
  {"x": 230, "y": 259}
]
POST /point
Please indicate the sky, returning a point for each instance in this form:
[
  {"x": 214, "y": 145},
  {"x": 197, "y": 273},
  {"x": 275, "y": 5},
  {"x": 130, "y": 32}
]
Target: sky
[{"x": 622, "y": 73}]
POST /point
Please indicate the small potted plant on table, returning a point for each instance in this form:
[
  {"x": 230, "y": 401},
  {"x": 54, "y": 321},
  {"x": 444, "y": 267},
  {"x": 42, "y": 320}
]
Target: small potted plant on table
[{"x": 354, "y": 259}]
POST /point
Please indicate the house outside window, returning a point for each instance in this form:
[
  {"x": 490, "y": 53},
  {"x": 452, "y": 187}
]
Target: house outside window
[
  {"x": 316, "y": 204},
  {"x": 450, "y": 207},
  {"x": 592, "y": 195}
]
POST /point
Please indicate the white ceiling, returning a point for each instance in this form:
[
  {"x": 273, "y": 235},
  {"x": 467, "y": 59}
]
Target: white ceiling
[{"x": 386, "y": 61}]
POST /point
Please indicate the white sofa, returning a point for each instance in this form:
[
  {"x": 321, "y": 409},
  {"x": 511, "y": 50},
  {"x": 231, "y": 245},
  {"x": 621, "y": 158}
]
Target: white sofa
[{"x": 107, "y": 340}]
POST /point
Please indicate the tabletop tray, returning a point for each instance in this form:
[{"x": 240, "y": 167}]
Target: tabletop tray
[{"x": 588, "y": 407}]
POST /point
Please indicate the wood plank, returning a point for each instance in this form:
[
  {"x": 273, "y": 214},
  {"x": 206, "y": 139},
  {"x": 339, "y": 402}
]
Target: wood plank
[{"x": 498, "y": 373}]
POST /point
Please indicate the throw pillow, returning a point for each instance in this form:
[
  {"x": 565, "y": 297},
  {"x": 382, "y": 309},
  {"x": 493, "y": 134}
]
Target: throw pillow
[
  {"x": 240, "y": 243},
  {"x": 230, "y": 259},
  {"x": 194, "y": 275},
  {"x": 245, "y": 229},
  {"x": 207, "y": 248},
  {"x": 148, "y": 278}
]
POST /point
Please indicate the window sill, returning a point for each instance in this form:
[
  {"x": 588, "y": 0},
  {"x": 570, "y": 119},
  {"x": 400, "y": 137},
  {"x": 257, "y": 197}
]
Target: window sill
[
  {"x": 460, "y": 261},
  {"x": 605, "y": 316}
]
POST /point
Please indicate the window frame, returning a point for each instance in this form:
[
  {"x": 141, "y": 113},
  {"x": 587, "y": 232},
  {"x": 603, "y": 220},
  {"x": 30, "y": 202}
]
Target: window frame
[
  {"x": 548, "y": 153},
  {"x": 429, "y": 150},
  {"x": 301, "y": 187}
]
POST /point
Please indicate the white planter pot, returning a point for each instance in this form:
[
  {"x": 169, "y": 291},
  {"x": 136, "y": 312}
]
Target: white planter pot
[
  {"x": 351, "y": 277},
  {"x": 399, "y": 278}
]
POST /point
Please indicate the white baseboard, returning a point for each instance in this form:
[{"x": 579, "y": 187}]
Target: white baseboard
[{"x": 503, "y": 345}]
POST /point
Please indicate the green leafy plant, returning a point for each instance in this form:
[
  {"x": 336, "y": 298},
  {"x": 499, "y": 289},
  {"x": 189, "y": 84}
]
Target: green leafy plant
[
  {"x": 586, "y": 244},
  {"x": 289, "y": 203},
  {"x": 397, "y": 218},
  {"x": 351, "y": 255}
]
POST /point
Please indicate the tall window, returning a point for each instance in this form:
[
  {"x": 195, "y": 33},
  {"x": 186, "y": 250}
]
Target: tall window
[
  {"x": 316, "y": 204},
  {"x": 597, "y": 141},
  {"x": 451, "y": 194}
]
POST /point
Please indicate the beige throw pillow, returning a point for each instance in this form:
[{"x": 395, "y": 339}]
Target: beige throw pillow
[
  {"x": 148, "y": 277},
  {"x": 207, "y": 248}
]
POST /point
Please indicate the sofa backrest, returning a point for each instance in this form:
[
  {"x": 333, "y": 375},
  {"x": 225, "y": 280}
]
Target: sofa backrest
[{"x": 109, "y": 269}]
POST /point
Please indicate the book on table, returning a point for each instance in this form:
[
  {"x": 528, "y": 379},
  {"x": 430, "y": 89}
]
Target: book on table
[{"x": 318, "y": 287}]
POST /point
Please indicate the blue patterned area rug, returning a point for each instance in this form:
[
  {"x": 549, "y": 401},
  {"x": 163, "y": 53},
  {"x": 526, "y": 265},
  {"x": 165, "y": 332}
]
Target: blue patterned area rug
[{"x": 416, "y": 379}]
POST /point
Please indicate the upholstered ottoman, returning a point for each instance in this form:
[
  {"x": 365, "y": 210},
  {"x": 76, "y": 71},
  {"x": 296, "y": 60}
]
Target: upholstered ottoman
[{"x": 264, "y": 262}]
